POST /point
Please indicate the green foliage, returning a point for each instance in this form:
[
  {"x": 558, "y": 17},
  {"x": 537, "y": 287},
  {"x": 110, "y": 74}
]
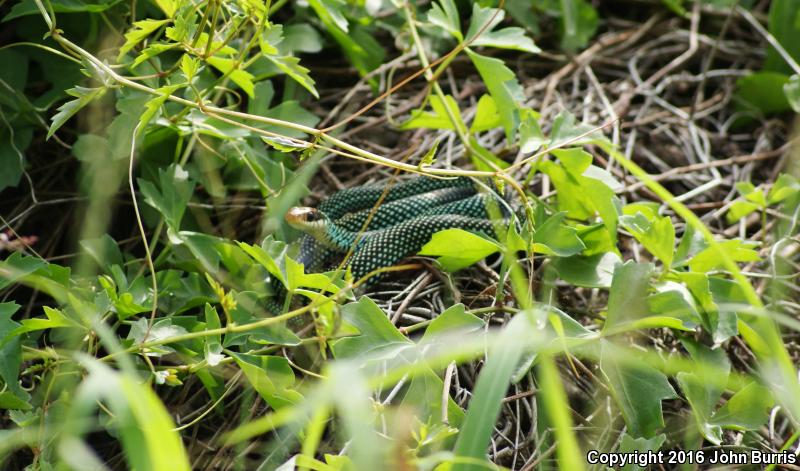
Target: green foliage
[{"x": 212, "y": 106}]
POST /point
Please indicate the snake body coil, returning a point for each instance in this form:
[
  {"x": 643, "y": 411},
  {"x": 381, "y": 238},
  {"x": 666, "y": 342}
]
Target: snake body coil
[{"x": 410, "y": 213}]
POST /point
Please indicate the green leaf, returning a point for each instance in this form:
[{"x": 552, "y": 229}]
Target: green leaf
[
  {"x": 377, "y": 333},
  {"x": 140, "y": 30},
  {"x": 638, "y": 390},
  {"x": 28, "y": 7},
  {"x": 763, "y": 92},
  {"x": 506, "y": 38},
  {"x": 213, "y": 344},
  {"x": 170, "y": 199},
  {"x": 12, "y": 154},
  {"x": 567, "y": 131},
  {"x": 721, "y": 324},
  {"x": 531, "y": 137},
  {"x": 439, "y": 118},
  {"x": 83, "y": 96},
  {"x": 152, "y": 50},
  {"x": 627, "y": 299},
  {"x": 553, "y": 237},
  {"x": 430, "y": 157},
  {"x": 232, "y": 68},
  {"x": 285, "y": 145},
  {"x": 453, "y": 319},
  {"x": 703, "y": 392},
  {"x": 168, "y": 6},
  {"x": 445, "y": 15},
  {"x": 656, "y": 235},
  {"x": 503, "y": 87},
  {"x": 55, "y": 320},
  {"x": 784, "y": 25},
  {"x": 792, "y": 91},
  {"x": 748, "y": 409},
  {"x": 145, "y": 428},
  {"x": 291, "y": 66},
  {"x": 272, "y": 377},
  {"x": 595, "y": 271},
  {"x": 487, "y": 397},
  {"x": 629, "y": 444},
  {"x": 10, "y": 352},
  {"x": 486, "y": 115},
  {"x": 784, "y": 187},
  {"x": 578, "y": 23},
  {"x": 736, "y": 250},
  {"x": 364, "y": 52},
  {"x": 154, "y": 104},
  {"x": 740, "y": 209},
  {"x": 9, "y": 401},
  {"x": 457, "y": 248}
]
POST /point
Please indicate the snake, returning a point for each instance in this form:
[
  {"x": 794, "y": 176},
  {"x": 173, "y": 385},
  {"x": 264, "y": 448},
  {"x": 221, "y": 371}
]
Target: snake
[{"x": 410, "y": 213}]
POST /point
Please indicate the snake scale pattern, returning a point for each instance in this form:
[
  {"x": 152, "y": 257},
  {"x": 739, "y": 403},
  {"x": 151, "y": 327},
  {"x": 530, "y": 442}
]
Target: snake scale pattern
[{"x": 408, "y": 216}]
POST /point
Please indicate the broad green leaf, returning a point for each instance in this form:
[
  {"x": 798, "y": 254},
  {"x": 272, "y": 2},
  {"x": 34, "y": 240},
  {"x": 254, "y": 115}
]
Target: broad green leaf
[
  {"x": 783, "y": 24},
  {"x": 301, "y": 37},
  {"x": 10, "y": 401},
  {"x": 792, "y": 91},
  {"x": 627, "y": 299},
  {"x": 152, "y": 50},
  {"x": 232, "y": 69},
  {"x": 28, "y": 7},
  {"x": 737, "y": 250},
  {"x": 168, "y": 6},
  {"x": 692, "y": 243},
  {"x": 485, "y": 20},
  {"x": 531, "y": 137},
  {"x": 721, "y": 324},
  {"x": 272, "y": 377},
  {"x": 445, "y": 15},
  {"x": 566, "y": 131},
  {"x": 12, "y": 154},
  {"x": 740, "y": 209},
  {"x": 55, "y": 320},
  {"x": 748, "y": 409},
  {"x": 10, "y": 352},
  {"x": 154, "y": 104},
  {"x": 170, "y": 199},
  {"x": 578, "y": 23},
  {"x": 212, "y": 344},
  {"x": 657, "y": 235},
  {"x": 83, "y": 96},
  {"x": 457, "y": 248},
  {"x": 439, "y": 118},
  {"x": 504, "y": 89},
  {"x": 703, "y": 392},
  {"x": 582, "y": 196},
  {"x": 763, "y": 91},
  {"x": 595, "y": 271},
  {"x": 486, "y": 115},
  {"x": 17, "y": 266},
  {"x": 629, "y": 444},
  {"x": 785, "y": 186},
  {"x": 141, "y": 30},
  {"x": 377, "y": 332},
  {"x": 359, "y": 46},
  {"x": 638, "y": 390},
  {"x": 553, "y": 237},
  {"x": 453, "y": 319},
  {"x": 575, "y": 160},
  {"x": 291, "y": 66},
  {"x": 162, "y": 329}
]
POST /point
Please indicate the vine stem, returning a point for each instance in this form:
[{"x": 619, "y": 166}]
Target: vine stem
[{"x": 148, "y": 254}]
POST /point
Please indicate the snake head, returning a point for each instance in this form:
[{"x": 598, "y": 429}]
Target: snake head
[{"x": 306, "y": 219}]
